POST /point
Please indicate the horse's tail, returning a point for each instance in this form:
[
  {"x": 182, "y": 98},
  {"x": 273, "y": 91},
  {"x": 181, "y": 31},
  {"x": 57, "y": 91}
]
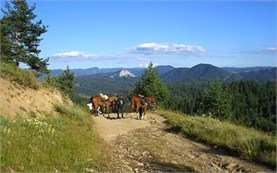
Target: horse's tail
[{"x": 94, "y": 108}]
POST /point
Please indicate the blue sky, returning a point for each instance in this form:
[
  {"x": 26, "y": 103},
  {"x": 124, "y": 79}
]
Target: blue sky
[{"x": 85, "y": 34}]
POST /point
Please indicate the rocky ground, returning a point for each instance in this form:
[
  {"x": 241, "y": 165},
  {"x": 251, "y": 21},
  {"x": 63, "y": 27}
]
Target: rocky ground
[{"x": 150, "y": 146}]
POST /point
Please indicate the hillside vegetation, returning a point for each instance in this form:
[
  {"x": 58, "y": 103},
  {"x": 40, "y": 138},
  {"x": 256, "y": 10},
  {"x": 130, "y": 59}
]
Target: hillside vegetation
[
  {"x": 249, "y": 103},
  {"x": 95, "y": 84},
  {"x": 42, "y": 131},
  {"x": 247, "y": 142},
  {"x": 66, "y": 143},
  {"x": 23, "y": 77}
]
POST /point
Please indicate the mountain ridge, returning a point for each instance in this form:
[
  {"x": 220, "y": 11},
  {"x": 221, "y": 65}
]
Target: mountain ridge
[
  {"x": 101, "y": 82},
  {"x": 137, "y": 71}
]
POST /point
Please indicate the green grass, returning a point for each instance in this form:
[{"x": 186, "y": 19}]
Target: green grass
[
  {"x": 22, "y": 76},
  {"x": 249, "y": 143},
  {"x": 62, "y": 143},
  {"x": 70, "y": 112}
]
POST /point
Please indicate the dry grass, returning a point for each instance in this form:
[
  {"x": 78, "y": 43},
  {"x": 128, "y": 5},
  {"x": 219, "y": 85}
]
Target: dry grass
[{"x": 247, "y": 142}]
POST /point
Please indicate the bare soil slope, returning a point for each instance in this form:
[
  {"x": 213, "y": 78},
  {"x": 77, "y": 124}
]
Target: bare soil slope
[
  {"x": 150, "y": 146},
  {"x": 18, "y": 100}
]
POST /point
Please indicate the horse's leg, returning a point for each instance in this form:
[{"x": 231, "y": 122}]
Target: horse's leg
[
  {"x": 96, "y": 110},
  {"x": 138, "y": 111},
  {"x": 121, "y": 109},
  {"x": 117, "y": 111},
  {"x": 131, "y": 109},
  {"x": 103, "y": 109},
  {"x": 108, "y": 110},
  {"x": 145, "y": 107},
  {"x": 93, "y": 108}
]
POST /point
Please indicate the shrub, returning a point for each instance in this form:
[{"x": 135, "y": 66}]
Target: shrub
[{"x": 21, "y": 76}]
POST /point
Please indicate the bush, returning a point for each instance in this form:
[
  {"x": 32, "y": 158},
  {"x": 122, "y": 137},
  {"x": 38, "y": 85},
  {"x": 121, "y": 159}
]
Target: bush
[
  {"x": 21, "y": 76},
  {"x": 69, "y": 111},
  {"x": 247, "y": 142}
]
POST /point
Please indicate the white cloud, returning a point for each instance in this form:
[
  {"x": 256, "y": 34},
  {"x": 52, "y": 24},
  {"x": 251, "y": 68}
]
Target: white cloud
[
  {"x": 145, "y": 65},
  {"x": 263, "y": 51},
  {"x": 271, "y": 49},
  {"x": 74, "y": 54},
  {"x": 142, "y": 58},
  {"x": 165, "y": 48}
]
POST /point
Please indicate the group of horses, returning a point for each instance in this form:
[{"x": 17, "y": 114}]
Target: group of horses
[{"x": 117, "y": 104}]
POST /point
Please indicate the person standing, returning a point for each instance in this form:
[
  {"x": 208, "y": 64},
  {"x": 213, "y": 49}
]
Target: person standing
[{"x": 119, "y": 106}]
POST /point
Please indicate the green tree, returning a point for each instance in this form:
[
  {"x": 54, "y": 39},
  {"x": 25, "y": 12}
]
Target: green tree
[
  {"x": 217, "y": 101},
  {"x": 65, "y": 81},
  {"x": 20, "y": 35},
  {"x": 150, "y": 84}
]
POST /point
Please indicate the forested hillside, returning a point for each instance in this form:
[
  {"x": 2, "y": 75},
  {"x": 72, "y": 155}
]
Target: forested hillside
[
  {"x": 207, "y": 71},
  {"x": 251, "y": 103},
  {"x": 94, "y": 84},
  {"x": 261, "y": 75},
  {"x": 244, "y": 69}
]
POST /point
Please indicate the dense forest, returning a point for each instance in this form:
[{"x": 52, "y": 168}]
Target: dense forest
[
  {"x": 245, "y": 102},
  {"x": 93, "y": 85}
]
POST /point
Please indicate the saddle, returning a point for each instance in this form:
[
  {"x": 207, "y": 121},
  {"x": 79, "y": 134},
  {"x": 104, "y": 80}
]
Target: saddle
[{"x": 105, "y": 97}]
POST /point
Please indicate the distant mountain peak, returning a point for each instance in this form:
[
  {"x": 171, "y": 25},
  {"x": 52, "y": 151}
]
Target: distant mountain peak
[{"x": 123, "y": 73}]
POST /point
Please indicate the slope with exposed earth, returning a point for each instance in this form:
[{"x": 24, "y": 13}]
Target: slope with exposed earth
[{"x": 25, "y": 101}]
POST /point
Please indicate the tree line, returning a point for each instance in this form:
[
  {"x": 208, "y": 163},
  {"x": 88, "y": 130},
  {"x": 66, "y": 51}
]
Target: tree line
[{"x": 248, "y": 103}]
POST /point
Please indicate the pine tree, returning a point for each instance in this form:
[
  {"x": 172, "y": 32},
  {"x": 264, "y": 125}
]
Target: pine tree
[
  {"x": 20, "y": 35},
  {"x": 150, "y": 84},
  {"x": 65, "y": 81},
  {"x": 217, "y": 101}
]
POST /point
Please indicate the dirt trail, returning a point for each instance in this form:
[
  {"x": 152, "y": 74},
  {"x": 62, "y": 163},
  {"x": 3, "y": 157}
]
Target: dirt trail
[{"x": 150, "y": 146}]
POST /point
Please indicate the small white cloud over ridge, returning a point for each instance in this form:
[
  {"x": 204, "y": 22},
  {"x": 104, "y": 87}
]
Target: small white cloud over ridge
[
  {"x": 73, "y": 54},
  {"x": 165, "y": 48},
  {"x": 271, "y": 49}
]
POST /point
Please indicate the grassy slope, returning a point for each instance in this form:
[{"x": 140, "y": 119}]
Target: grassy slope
[
  {"x": 21, "y": 76},
  {"x": 67, "y": 142},
  {"x": 247, "y": 142}
]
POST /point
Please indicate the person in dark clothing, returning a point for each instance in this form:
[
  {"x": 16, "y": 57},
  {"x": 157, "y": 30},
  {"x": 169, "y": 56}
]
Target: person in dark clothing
[
  {"x": 143, "y": 105},
  {"x": 119, "y": 106}
]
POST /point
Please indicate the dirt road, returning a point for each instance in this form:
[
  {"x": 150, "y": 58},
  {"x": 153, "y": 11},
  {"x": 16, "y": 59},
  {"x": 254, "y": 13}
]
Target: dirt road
[{"x": 150, "y": 146}]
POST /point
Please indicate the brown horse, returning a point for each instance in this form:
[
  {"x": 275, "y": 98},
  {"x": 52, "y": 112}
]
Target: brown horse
[
  {"x": 136, "y": 102},
  {"x": 151, "y": 101},
  {"x": 96, "y": 101},
  {"x": 112, "y": 100},
  {"x": 106, "y": 108}
]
